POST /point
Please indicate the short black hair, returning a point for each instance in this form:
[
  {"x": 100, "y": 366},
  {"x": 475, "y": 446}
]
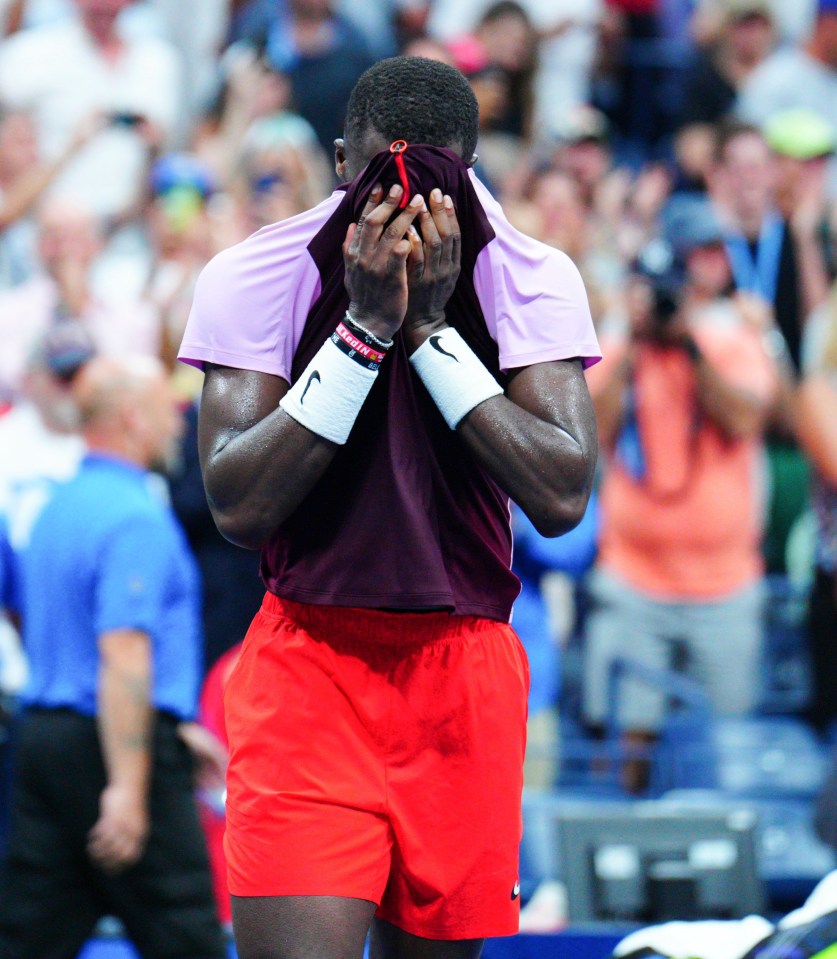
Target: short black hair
[{"x": 417, "y": 100}]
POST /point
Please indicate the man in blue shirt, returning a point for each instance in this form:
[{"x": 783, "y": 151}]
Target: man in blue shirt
[{"x": 104, "y": 820}]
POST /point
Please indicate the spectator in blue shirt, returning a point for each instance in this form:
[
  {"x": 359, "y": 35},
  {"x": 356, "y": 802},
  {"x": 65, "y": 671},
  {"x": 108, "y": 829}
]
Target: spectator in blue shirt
[{"x": 103, "y": 818}]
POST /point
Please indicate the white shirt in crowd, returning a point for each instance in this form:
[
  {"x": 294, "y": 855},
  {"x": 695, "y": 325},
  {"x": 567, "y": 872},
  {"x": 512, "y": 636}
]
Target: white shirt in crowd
[{"x": 57, "y": 73}]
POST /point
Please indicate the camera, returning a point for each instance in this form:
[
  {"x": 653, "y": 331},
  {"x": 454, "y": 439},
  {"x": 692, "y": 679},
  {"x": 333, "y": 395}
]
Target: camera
[
  {"x": 657, "y": 265},
  {"x": 666, "y": 302}
]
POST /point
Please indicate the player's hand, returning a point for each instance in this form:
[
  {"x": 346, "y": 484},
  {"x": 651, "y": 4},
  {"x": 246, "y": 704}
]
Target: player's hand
[
  {"x": 432, "y": 267},
  {"x": 118, "y": 838},
  {"x": 375, "y": 255}
]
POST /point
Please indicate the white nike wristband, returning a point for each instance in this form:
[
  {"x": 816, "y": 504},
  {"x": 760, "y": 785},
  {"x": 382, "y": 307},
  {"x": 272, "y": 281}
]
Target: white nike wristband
[
  {"x": 453, "y": 375},
  {"x": 328, "y": 396}
]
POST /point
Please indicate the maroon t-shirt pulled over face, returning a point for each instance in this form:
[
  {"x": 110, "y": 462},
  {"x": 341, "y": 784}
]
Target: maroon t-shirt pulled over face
[{"x": 404, "y": 517}]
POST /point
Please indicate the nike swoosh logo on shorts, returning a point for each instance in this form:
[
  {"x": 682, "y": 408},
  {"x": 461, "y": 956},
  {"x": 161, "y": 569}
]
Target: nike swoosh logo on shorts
[
  {"x": 516, "y": 890},
  {"x": 434, "y": 342},
  {"x": 314, "y": 376}
]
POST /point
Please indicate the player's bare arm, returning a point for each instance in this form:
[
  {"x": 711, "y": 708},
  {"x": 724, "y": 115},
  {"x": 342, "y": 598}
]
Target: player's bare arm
[
  {"x": 539, "y": 443},
  {"x": 258, "y": 462}
]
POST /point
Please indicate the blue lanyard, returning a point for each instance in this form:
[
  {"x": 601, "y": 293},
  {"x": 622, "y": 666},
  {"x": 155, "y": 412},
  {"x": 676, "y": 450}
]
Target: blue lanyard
[
  {"x": 629, "y": 447},
  {"x": 630, "y": 450},
  {"x": 759, "y": 274}
]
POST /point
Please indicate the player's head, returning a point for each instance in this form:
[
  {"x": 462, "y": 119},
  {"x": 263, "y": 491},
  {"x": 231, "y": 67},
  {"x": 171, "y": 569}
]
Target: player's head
[{"x": 412, "y": 99}]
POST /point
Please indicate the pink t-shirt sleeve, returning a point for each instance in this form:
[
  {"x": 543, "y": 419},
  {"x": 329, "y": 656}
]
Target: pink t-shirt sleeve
[
  {"x": 252, "y": 300},
  {"x": 532, "y": 296}
]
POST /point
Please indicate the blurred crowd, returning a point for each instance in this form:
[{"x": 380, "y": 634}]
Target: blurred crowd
[{"x": 681, "y": 152}]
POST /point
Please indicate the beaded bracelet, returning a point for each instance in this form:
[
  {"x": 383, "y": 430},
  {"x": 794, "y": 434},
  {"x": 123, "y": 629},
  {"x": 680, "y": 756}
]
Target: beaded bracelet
[{"x": 369, "y": 336}]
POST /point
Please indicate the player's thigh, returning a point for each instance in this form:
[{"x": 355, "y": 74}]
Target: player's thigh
[
  {"x": 389, "y": 942},
  {"x": 455, "y": 780},
  {"x": 300, "y": 927}
]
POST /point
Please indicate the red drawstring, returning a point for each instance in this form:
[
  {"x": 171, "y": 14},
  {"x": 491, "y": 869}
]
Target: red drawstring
[{"x": 397, "y": 149}]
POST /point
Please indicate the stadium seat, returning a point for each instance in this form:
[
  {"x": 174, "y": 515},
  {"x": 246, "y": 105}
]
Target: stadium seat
[
  {"x": 786, "y": 667},
  {"x": 770, "y": 757}
]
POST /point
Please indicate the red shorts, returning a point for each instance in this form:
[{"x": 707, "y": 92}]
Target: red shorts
[{"x": 379, "y": 756}]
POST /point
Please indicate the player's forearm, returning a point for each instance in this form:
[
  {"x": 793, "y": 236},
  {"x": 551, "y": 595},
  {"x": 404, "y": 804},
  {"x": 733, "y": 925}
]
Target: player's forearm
[
  {"x": 258, "y": 463},
  {"x": 539, "y": 443},
  {"x": 124, "y": 713},
  {"x": 259, "y": 477},
  {"x": 544, "y": 468}
]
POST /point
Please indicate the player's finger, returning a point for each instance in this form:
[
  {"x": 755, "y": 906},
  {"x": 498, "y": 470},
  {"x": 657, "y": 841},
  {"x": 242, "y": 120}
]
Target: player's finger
[
  {"x": 454, "y": 247},
  {"x": 374, "y": 222},
  {"x": 440, "y": 213},
  {"x": 398, "y": 255},
  {"x": 430, "y": 232},
  {"x": 437, "y": 208},
  {"x": 380, "y": 214},
  {"x": 350, "y": 235},
  {"x": 397, "y": 230},
  {"x": 376, "y": 194},
  {"x": 415, "y": 259},
  {"x": 111, "y": 859}
]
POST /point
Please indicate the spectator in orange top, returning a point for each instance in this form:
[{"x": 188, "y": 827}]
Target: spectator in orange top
[{"x": 681, "y": 400}]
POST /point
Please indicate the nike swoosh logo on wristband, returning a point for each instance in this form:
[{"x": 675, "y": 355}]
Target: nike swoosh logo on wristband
[
  {"x": 437, "y": 346},
  {"x": 315, "y": 376}
]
